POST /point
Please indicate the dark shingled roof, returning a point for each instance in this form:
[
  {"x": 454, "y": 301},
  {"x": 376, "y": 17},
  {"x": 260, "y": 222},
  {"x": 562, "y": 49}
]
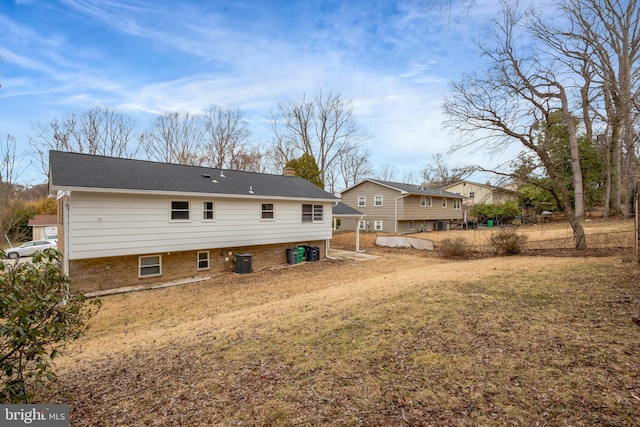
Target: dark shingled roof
[
  {"x": 416, "y": 189},
  {"x": 73, "y": 170},
  {"x": 342, "y": 209}
]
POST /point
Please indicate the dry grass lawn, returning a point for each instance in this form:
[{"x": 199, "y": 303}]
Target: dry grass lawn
[{"x": 407, "y": 338}]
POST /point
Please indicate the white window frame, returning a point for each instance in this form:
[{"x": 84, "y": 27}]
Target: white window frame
[
  {"x": 205, "y": 211},
  {"x": 270, "y": 213},
  {"x": 314, "y": 215},
  {"x": 199, "y": 261},
  {"x": 376, "y": 199},
  {"x": 423, "y": 201},
  {"x": 318, "y": 213},
  {"x": 457, "y": 204},
  {"x": 444, "y": 202},
  {"x": 430, "y": 202},
  {"x": 377, "y": 225},
  {"x": 362, "y": 224},
  {"x": 174, "y": 210},
  {"x": 158, "y": 265},
  {"x": 362, "y": 201}
]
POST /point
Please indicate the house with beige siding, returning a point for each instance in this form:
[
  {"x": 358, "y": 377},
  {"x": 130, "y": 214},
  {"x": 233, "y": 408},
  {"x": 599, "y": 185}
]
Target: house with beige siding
[
  {"x": 124, "y": 222},
  {"x": 395, "y": 207},
  {"x": 477, "y": 194}
]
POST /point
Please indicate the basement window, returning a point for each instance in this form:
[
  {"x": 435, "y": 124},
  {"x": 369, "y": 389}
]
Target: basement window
[
  {"x": 203, "y": 260},
  {"x": 149, "y": 266}
]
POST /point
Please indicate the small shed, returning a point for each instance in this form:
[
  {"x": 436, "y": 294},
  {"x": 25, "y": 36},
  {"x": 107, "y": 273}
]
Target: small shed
[{"x": 43, "y": 226}]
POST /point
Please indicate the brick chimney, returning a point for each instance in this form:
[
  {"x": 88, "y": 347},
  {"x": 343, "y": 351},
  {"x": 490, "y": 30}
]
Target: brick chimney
[{"x": 289, "y": 172}]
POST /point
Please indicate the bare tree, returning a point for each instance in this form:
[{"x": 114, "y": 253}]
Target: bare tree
[
  {"x": 439, "y": 173},
  {"x": 601, "y": 43},
  {"x": 225, "y": 137},
  {"x": 323, "y": 127},
  {"x": 386, "y": 172},
  {"x": 354, "y": 166},
  {"x": 175, "y": 138},
  {"x": 10, "y": 165},
  {"x": 512, "y": 102},
  {"x": 98, "y": 131},
  {"x": 250, "y": 159}
]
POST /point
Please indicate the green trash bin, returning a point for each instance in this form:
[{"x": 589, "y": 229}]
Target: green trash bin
[
  {"x": 301, "y": 250},
  {"x": 490, "y": 223}
]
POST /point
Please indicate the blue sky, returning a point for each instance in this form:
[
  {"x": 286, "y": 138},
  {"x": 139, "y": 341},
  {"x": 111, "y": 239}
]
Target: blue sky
[{"x": 392, "y": 59}]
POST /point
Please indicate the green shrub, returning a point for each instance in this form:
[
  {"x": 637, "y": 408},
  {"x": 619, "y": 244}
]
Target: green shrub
[
  {"x": 38, "y": 315},
  {"x": 457, "y": 247},
  {"x": 508, "y": 242}
]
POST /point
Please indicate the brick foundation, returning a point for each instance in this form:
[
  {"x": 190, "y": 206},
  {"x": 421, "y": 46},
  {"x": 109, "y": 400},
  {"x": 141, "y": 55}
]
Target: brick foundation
[{"x": 88, "y": 275}]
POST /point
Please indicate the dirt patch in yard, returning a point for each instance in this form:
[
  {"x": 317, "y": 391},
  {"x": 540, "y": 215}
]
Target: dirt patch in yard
[{"x": 406, "y": 338}]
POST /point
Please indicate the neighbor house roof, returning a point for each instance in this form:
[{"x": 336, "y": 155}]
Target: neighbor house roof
[
  {"x": 342, "y": 209},
  {"x": 73, "y": 171},
  {"x": 410, "y": 189},
  {"x": 40, "y": 220}
]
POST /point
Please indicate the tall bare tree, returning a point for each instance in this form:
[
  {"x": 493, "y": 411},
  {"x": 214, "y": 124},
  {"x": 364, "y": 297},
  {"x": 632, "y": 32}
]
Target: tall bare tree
[
  {"x": 175, "y": 138},
  {"x": 440, "y": 173},
  {"x": 98, "y": 131},
  {"x": 323, "y": 127},
  {"x": 225, "y": 137},
  {"x": 512, "y": 102},
  {"x": 386, "y": 172},
  {"x": 602, "y": 38}
]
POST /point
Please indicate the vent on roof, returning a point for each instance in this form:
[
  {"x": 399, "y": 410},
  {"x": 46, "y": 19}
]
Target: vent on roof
[
  {"x": 206, "y": 175},
  {"x": 222, "y": 175},
  {"x": 251, "y": 189}
]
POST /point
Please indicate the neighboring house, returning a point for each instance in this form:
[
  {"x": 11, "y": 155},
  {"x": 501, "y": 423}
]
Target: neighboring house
[
  {"x": 126, "y": 222},
  {"x": 477, "y": 194},
  {"x": 395, "y": 207},
  {"x": 43, "y": 226}
]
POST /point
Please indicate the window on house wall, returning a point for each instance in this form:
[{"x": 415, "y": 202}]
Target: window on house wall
[
  {"x": 267, "y": 211},
  {"x": 362, "y": 201},
  {"x": 203, "y": 260},
  {"x": 423, "y": 201},
  {"x": 429, "y": 202},
  {"x": 312, "y": 213},
  {"x": 377, "y": 201},
  {"x": 377, "y": 225},
  {"x": 456, "y": 204},
  {"x": 207, "y": 211},
  {"x": 307, "y": 213},
  {"x": 179, "y": 210},
  {"x": 362, "y": 224},
  {"x": 150, "y": 265},
  {"x": 444, "y": 202}
]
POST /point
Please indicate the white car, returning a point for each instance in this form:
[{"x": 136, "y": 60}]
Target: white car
[{"x": 29, "y": 248}]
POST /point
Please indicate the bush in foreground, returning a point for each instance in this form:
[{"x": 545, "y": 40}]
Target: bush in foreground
[
  {"x": 38, "y": 315},
  {"x": 509, "y": 242}
]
